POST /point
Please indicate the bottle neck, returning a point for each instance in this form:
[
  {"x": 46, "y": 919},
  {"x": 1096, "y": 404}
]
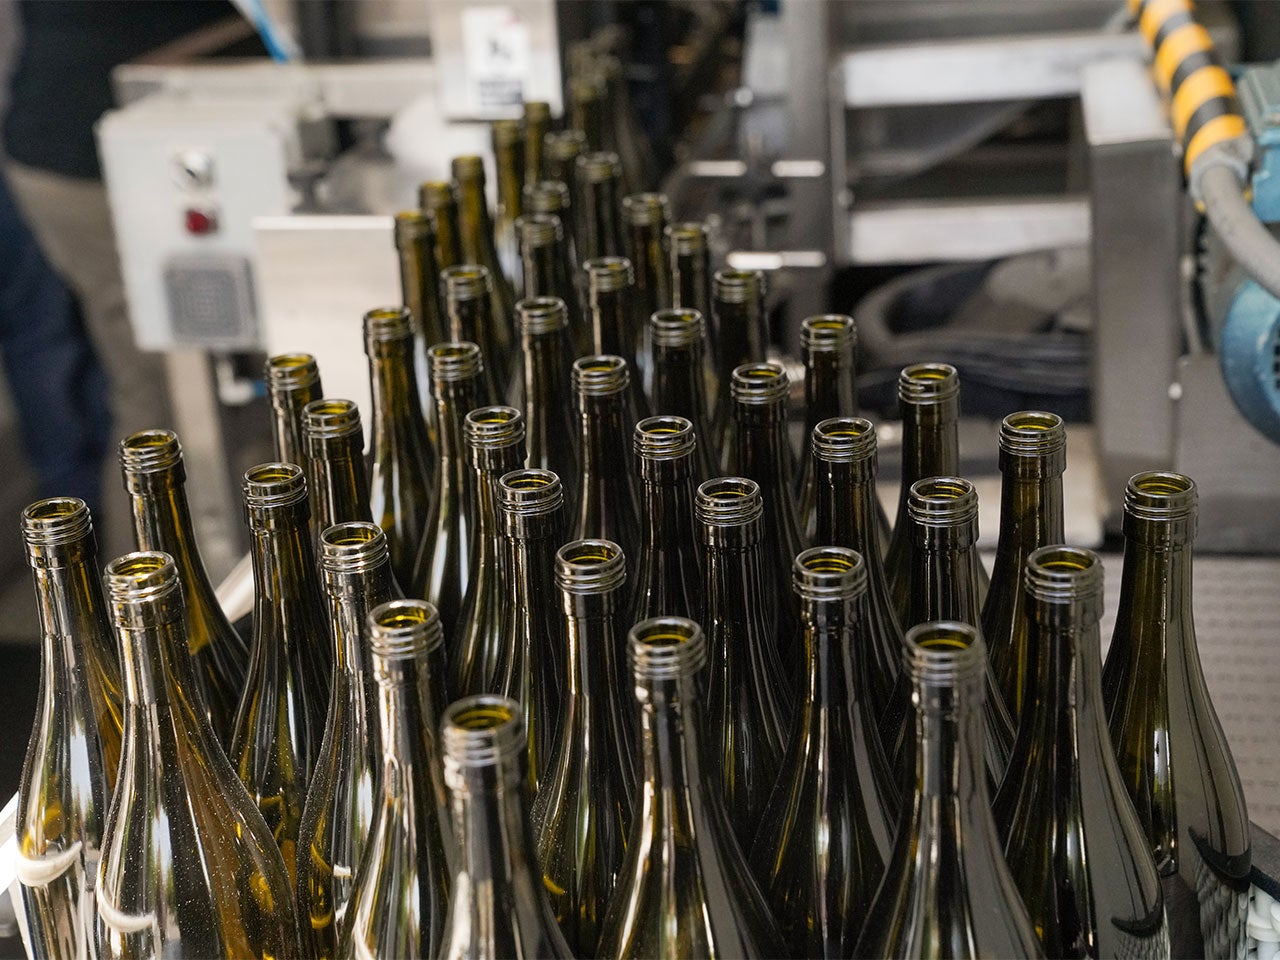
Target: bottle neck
[
  {"x": 68, "y": 598},
  {"x": 409, "y": 708},
  {"x": 678, "y": 381},
  {"x": 546, "y": 371},
  {"x": 611, "y": 323},
  {"x": 691, "y": 281},
  {"x": 740, "y": 335},
  {"x": 286, "y": 423},
  {"x": 604, "y": 434},
  {"x": 671, "y": 785},
  {"x": 157, "y": 666},
  {"x": 285, "y": 584},
  {"x": 454, "y": 399},
  {"x": 1155, "y": 590},
  {"x": 397, "y": 416},
  {"x": 667, "y": 503},
  {"x": 510, "y": 169},
  {"x": 846, "y": 505},
  {"x": 944, "y": 574},
  {"x": 448, "y": 249},
  {"x": 352, "y": 594},
  {"x": 544, "y": 271},
  {"x": 418, "y": 276},
  {"x": 601, "y": 205},
  {"x": 338, "y": 485},
  {"x": 487, "y": 471},
  {"x": 951, "y": 776},
  {"x": 653, "y": 285},
  {"x": 828, "y": 387},
  {"x": 495, "y": 848},
  {"x": 1031, "y": 516},
  {"x": 930, "y": 443},
  {"x": 735, "y": 566},
  {"x": 763, "y": 452},
  {"x": 827, "y": 627},
  {"x": 591, "y": 635},
  {"x": 1067, "y": 711},
  {"x": 475, "y": 225}
]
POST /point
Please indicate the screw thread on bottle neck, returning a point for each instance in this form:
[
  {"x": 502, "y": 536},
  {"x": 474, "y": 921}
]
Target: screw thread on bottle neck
[
  {"x": 600, "y": 376},
  {"x": 590, "y": 567},
  {"x": 53, "y": 528},
  {"x": 1065, "y": 585},
  {"x": 143, "y": 590},
  {"x": 541, "y": 315},
  {"x": 354, "y": 547},
  {"x": 645, "y": 209},
  {"x": 928, "y": 383},
  {"x": 480, "y": 732},
  {"x": 403, "y": 630},
  {"x": 466, "y": 282},
  {"x": 454, "y": 361},
  {"x": 539, "y": 230},
  {"x": 1160, "y": 508},
  {"x": 600, "y": 167},
  {"x": 547, "y": 198},
  {"x": 677, "y": 327},
  {"x": 829, "y": 333},
  {"x": 829, "y": 574},
  {"x": 760, "y": 384},
  {"x": 666, "y": 648},
  {"x": 287, "y": 372},
  {"x": 412, "y": 226},
  {"x": 271, "y": 489},
  {"x": 328, "y": 419},
  {"x": 387, "y": 325}
]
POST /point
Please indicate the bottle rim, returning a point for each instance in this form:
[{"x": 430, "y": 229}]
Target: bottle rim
[
  {"x": 354, "y": 546},
  {"x": 455, "y": 360},
  {"x": 412, "y": 226},
  {"x": 590, "y": 566},
  {"x": 330, "y": 417},
  {"x": 484, "y": 730},
  {"x": 387, "y": 325},
  {"x": 608, "y": 274},
  {"x": 537, "y": 110},
  {"x": 677, "y": 327},
  {"x": 942, "y": 502},
  {"x": 465, "y": 282},
  {"x": 507, "y": 132},
  {"x": 922, "y": 383},
  {"x": 829, "y": 574},
  {"x": 140, "y": 577},
  {"x": 600, "y": 376},
  {"x": 738, "y": 286},
  {"x": 530, "y": 492},
  {"x": 150, "y": 451},
  {"x": 564, "y": 144},
  {"x": 666, "y": 648},
  {"x": 435, "y": 194},
  {"x": 468, "y": 167},
  {"x": 829, "y": 333},
  {"x": 547, "y": 198},
  {"x": 646, "y": 209},
  {"x": 664, "y": 438},
  {"x": 271, "y": 485},
  {"x": 844, "y": 440},
  {"x": 601, "y": 166},
  {"x": 540, "y": 315},
  {"x": 1062, "y": 574},
  {"x": 493, "y": 428},
  {"x": 54, "y": 521},
  {"x": 944, "y": 652},
  {"x": 728, "y": 502},
  {"x": 1160, "y": 495},
  {"x": 404, "y": 630},
  {"x": 1032, "y": 433},
  {"x": 687, "y": 238},
  {"x": 759, "y": 384},
  {"x": 286, "y": 372},
  {"x": 537, "y": 230}
]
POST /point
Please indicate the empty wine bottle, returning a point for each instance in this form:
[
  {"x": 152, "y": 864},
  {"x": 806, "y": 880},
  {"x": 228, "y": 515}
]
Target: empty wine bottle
[
  {"x": 1174, "y": 760},
  {"x": 610, "y": 287},
  {"x": 947, "y": 891},
  {"x": 942, "y": 525},
  {"x": 495, "y": 443},
  {"x": 440, "y": 200},
  {"x": 548, "y": 272},
  {"x": 746, "y": 696},
  {"x": 551, "y": 428},
  {"x": 599, "y": 206},
  {"x": 826, "y": 831},
  {"x": 401, "y": 484},
  {"x": 467, "y": 293},
  {"x": 530, "y": 667},
  {"x": 155, "y": 479},
  {"x": 684, "y": 888},
  {"x": 537, "y": 123},
  {"x": 668, "y": 577},
  {"x": 293, "y": 381},
  {"x": 561, "y": 153},
  {"x": 356, "y": 565},
  {"x": 584, "y": 803},
  {"x": 504, "y": 913},
  {"x": 607, "y": 505},
  {"x": 587, "y": 111},
  {"x": 739, "y": 332},
  {"x": 1071, "y": 838},
  {"x": 188, "y": 865},
  {"x": 678, "y": 338},
  {"x": 509, "y": 165},
  {"x": 336, "y": 479},
  {"x": 400, "y": 892},
  {"x": 478, "y": 247},
  {"x": 627, "y": 137},
  {"x": 646, "y": 219},
  {"x": 555, "y": 198},
  {"x": 280, "y": 723},
  {"x": 1033, "y": 455},
  {"x": 844, "y": 456},
  {"x": 689, "y": 255},
  {"x": 419, "y": 289},
  {"x": 443, "y": 568},
  {"x": 74, "y": 751}
]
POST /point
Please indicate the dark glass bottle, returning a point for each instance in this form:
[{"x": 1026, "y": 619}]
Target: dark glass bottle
[
  {"x": 293, "y": 381},
  {"x": 356, "y": 565},
  {"x": 155, "y": 479},
  {"x": 495, "y": 443},
  {"x": 440, "y": 200},
  {"x": 627, "y": 137},
  {"x": 747, "y": 705},
  {"x": 947, "y": 891},
  {"x": 678, "y": 339},
  {"x": 505, "y": 915},
  {"x": 584, "y": 803},
  {"x": 443, "y": 569},
  {"x": 509, "y": 165},
  {"x": 844, "y": 456},
  {"x": 188, "y": 866},
  {"x": 587, "y": 110},
  {"x": 551, "y": 428},
  {"x": 607, "y": 506},
  {"x": 739, "y": 331},
  {"x": 942, "y": 523},
  {"x": 689, "y": 253},
  {"x": 826, "y": 832},
  {"x": 1071, "y": 838},
  {"x": 280, "y": 723},
  {"x": 479, "y": 247},
  {"x": 668, "y": 577},
  {"x": 554, "y": 198},
  {"x": 548, "y": 271},
  {"x": 599, "y": 206},
  {"x": 610, "y": 285},
  {"x": 684, "y": 888},
  {"x": 419, "y": 288},
  {"x": 336, "y": 479},
  {"x": 562, "y": 151},
  {"x": 400, "y": 893},
  {"x": 827, "y": 345},
  {"x": 530, "y": 666},
  {"x": 1033, "y": 455},
  {"x": 1174, "y": 760},
  {"x": 401, "y": 484},
  {"x": 468, "y": 299},
  {"x": 646, "y": 218},
  {"x": 74, "y": 750},
  {"x": 537, "y": 123}
]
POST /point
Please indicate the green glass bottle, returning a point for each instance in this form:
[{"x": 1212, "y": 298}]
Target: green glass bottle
[
  {"x": 739, "y": 328},
  {"x": 554, "y": 198},
  {"x": 155, "y": 478},
  {"x": 826, "y": 831},
  {"x": 684, "y": 888},
  {"x": 1033, "y": 455},
  {"x": 1071, "y": 837},
  {"x": 678, "y": 338},
  {"x": 74, "y": 751},
  {"x": 689, "y": 253},
  {"x": 504, "y": 914},
  {"x": 587, "y": 110},
  {"x": 551, "y": 428},
  {"x": 280, "y": 723},
  {"x": 443, "y": 568},
  {"x": 293, "y": 381},
  {"x": 599, "y": 206},
  {"x": 947, "y": 892},
  {"x": 747, "y": 706},
  {"x": 467, "y": 294},
  {"x": 188, "y": 865},
  {"x": 336, "y": 478},
  {"x": 562, "y": 151},
  {"x": 495, "y": 443},
  {"x": 607, "y": 507},
  {"x": 400, "y": 892},
  {"x": 479, "y": 247},
  {"x": 530, "y": 666},
  {"x": 419, "y": 289},
  {"x": 549, "y": 272},
  {"x": 646, "y": 219},
  {"x": 356, "y": 565},
  {"x": 537, "y": 124},
  {"x": 628, "y": 136},
  {"x": 440, "y": 201},
  {"x": 1174, "y": 759},
  {"x": 584, "y": 802},
  {"x": 509, "y": 165}
]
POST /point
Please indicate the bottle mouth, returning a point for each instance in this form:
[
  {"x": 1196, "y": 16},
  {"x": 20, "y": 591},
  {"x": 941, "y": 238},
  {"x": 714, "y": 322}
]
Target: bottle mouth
[
  {"x": 928, "y": 383},
  {"x": 829, "y": 573},
  {"x": 507, "y": 133},
  {"x": 1160, "y": 495},
  {"x": 564, "y": 145},
  {"x": 677, "y": 327},
  {"x": 530, "y": 493},
  {"x": 645, "y": 209},
  {"x": 546, "y": 198},
  {"x": 465, "y": 282},
  {"x": 1032, "y": 433},
  {"x": 687, "y": 239},
  {"x": 608, "y": 274},
  {"x": 458, "y": 360},
  {"x": 328, "y": 418},
  {"x": 537, "y": 111},
  {"x": 486, "y": 730},
  {"x": 55, "y": 521},
  {"x": 585, "y": 88},
  {"x": 538, "y": 230},
  {"x": 942, "y": 502},
  {"x": 541, "y": 315},
  {"x": 944, "y": 652},
  {"x": 728, "y": 501},
  {"x": 590, "y": 567},
  {"x": 387, "y": 324},
  {"x": 1059, "y": 574},
  {"x": 353, "y": 547},
  {"x": 493, "y": 428},
  {"x": 150, "y": 451},
  {"x": 291, "y": 371},
  {"x": 412, "y": 226},
  {"x": 844, "y": 440},
  {"x": 467, "y": 167},
  {"x": 664, "y": 438},
  {"x": 600, "y": 167},
  {"x": 140, "y": 577},
  {"x": 404, "y": 629},
  {"x": 434, "y": 194},
  {"x": 828, "y": 333},
  {"x": 738, "y": 286},
  {"x": 600, "y": 376},
  {"x": 666, "y": 648},
  {"x": 759, "y": 384},
  {"x": 271, "y": 485}
]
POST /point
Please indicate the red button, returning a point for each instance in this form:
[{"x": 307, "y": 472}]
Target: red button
[{"x": 201, "y": 221}]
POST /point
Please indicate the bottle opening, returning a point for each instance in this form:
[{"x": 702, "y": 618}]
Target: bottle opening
[
  {"x": 403, "y": 629},
  {"x": 686, "y": 239},
  {"x": 599, "y": 167},
  {"x": 729, "y": 501},
  {"x": 57, "y": 520},
  {"x": 540, "y": 229},
  {"x": 844, "y": 440},
  {"x": 434, "y": 194},
  {"x": 150, "y": 451},
  {"x": 139, "y": 577},
  {"x": 467, "y": 167},
  {"x": 829, "y": 573},
  {"x": 491, "y": 428},
  {"x": 942, "y": 501},
  {"x": 928, "y": 383},
  {"x": 1032, "y": 433},
  {"x": 590, "y": 566},
  {"x": 828, "y": 333},
  {"x": 607, "y": 274},
  {"x": 738, "y": 286},
  {"x": 411, "y": 226},
  {"x": 678, "y": 327},
  {"x": 759, "y": 384},
  {"x": 664, "y": 438},
  {"x": 537, "y": 111},
  {"x": 465, "y": 282},
  {"x": 330, "y": 418},
  {"x": 481, "y": 731},
  {"x": 600, "y": 376},
  {"x": 664, "y": 648},
  {"x": 565, "y": 145},
  {"x": 292, "y": 371},
  {"x": 383, "y": 324},
  {"x": 530, "y": 493},
  {"x": 1159, "y": 495},
  {"x": 547, "y": 197},
  {"x": 541, "y": 315},
  {"x": 944, "y": 652},
  {"x": 273, "y": 485},
  {"x": 459, "y": 360},
  {"x": 645, "y": 209},
  {"x": 507, "y": 133},
  {"x": 352, "y": 547},
  {"x": 1058, "y": 574}
]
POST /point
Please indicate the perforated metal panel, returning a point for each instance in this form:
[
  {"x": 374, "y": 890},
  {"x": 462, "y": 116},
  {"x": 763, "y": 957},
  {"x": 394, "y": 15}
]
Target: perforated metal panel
[{"x": 211, "y": 299}]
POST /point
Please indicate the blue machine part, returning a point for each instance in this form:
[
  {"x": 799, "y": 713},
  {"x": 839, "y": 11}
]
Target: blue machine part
[{"x": 1249, "y": 353}]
